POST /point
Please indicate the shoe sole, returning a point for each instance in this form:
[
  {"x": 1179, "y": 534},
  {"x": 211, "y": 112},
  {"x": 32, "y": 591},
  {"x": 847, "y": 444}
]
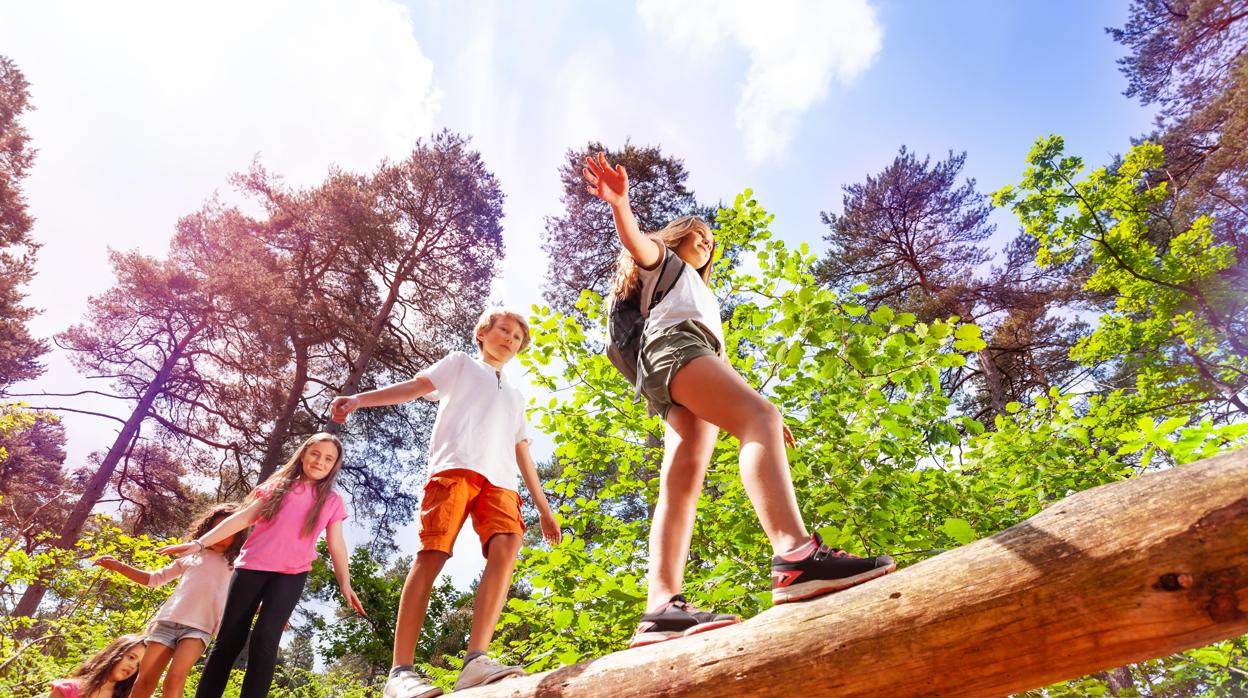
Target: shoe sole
[
  {"x": 819, "y": 587},
  {"x": 428, "y": 693},
  {"x": 657, "y": 637}
]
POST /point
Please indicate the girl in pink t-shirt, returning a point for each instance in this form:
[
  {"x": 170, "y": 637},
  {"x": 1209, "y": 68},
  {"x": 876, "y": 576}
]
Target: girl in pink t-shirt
[
  {"x": 289, "y": 510},
  {"x": 109, "y": 674},
  {"x": 186, "y": 622}
]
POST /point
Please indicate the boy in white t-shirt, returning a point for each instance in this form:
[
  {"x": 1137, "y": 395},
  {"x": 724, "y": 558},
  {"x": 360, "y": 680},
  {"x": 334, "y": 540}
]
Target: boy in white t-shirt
[{"x": 480, "y": 440}]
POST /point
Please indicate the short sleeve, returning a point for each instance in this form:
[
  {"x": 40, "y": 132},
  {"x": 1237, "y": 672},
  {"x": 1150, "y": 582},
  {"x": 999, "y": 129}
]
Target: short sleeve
[
  {"x": 67, "y": 687},
  {"x": 166, "y": 573},
  {"x": 443, "y": 374},
  {"x": 338, "y": 512},
  {"x": 650, "y": 278},
  {"x": 523, "y": 432}
]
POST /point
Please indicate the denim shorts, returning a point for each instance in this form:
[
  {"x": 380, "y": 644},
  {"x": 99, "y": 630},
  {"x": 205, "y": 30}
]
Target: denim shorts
[
  {"x": 665, "y": 352},
  {"x": 168, "y": 633}
]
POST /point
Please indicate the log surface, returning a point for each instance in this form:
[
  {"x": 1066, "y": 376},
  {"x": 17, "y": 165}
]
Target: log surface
[{"x": 1121, "y": 573}]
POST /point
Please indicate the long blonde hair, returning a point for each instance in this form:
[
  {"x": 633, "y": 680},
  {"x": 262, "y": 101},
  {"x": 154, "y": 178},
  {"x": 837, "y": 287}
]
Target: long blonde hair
[
  {"x": 626, "y": 283},
  {"x": 279, "y": 483}
]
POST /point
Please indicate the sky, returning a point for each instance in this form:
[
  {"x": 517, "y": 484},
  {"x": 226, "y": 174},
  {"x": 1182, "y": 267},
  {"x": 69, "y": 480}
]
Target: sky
[{"x": 144, "y": 109}]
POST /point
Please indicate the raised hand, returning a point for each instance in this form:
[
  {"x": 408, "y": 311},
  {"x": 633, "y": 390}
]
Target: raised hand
[
  {"x": 342, "y": 406},
  {"x": 606, "y": 182},
  {"x": 108, "y": 562}
]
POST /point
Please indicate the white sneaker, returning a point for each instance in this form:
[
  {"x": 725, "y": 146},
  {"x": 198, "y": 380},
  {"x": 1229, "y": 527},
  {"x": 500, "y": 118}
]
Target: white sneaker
[
  {"x": 483, "y": 670},
  {"x": 409, "y": 684}
]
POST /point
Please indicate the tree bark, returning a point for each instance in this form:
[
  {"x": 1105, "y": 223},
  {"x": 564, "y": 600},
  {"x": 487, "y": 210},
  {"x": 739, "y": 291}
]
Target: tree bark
[
  {"x": 276, "y": 445},
  {"x": 1121, "y": 573},
  {"x": 99, "y": 480}
]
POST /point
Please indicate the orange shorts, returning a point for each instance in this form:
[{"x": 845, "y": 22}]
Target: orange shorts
[{"x": 451, "y": 495}]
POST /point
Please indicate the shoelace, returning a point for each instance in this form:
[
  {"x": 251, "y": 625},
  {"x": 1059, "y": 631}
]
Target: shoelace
[{"x": 824, "y": 552}]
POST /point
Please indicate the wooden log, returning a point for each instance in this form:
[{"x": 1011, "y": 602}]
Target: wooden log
[{"x": 1121, "y": 573}]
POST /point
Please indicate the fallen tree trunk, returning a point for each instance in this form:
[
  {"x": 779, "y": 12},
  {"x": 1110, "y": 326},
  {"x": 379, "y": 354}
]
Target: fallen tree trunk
[{"x": 1121, "y": 573}]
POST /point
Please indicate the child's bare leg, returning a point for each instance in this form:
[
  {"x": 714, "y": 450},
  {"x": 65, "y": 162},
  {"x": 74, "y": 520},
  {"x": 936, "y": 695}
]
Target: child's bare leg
[
  {"x": 185, "y": 655},
  {"x": 500, "y": 561},
  {"x": 687, "y": 449},
  {"x": 713, "y": 391},
  {"x": 150, "y": 669},
  {"x": 414, "y": 602}
]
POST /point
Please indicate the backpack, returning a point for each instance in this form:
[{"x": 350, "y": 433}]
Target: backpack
[{"x": 626, "y": 323}]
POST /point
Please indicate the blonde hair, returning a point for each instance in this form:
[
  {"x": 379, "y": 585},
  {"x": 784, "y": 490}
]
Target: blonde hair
[
  {"x": 279, "y": 483},
  {"x": 626, "y": 283},
  {"x": 485, "y": 323}
]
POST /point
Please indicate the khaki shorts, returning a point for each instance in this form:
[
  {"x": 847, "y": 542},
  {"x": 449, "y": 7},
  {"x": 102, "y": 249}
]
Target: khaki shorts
[
  {"x": 451, "y": 496},
  {"x": 665, "y": 352}
]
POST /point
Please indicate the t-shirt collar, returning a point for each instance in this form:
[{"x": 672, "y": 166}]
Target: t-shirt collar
[{"x": 496, "y": 371}]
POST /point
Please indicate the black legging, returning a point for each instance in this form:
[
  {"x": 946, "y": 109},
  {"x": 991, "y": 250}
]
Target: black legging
[{"x": 248, "y": 589}]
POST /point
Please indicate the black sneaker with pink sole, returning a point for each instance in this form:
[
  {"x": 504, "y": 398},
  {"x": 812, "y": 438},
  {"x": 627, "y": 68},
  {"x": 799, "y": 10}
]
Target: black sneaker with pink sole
[
  {"x": 823, "y": 570},
  {"x": 677, "y": 618}
]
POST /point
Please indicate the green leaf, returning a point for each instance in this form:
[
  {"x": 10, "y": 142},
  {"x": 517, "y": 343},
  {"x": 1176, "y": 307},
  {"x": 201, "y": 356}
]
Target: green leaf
[{"x": 959, "y": 530}]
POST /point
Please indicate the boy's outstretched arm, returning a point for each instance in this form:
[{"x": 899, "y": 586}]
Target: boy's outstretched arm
[
  {"x": 134, "y": 574},
  {"x": 396, "y": 394},
  {"x": 528, "y": 471},
  {"x": 611, "y": 185}
]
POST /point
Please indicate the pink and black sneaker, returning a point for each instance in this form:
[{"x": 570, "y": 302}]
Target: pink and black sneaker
[
  {"x": 677, "y": 618},
  {"x": 816, "y": 569}
]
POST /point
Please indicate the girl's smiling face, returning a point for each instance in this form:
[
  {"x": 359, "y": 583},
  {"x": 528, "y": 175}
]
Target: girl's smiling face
[
  {"x": 697, "y": 247},
  {"x": 318, "y": 460},
  {"x": 128, "y": 664}
]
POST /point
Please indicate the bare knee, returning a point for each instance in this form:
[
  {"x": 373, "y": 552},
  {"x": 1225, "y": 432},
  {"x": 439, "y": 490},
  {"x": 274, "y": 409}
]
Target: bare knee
[
  {"x": 505, "y": 544},
  {"x": 427, "y": 565},
  {"x": 175, "y": 681},
  {"x": 761, "y": 421},
  {"x": 682, "y": 479},
  {"x": 145, "y": 684}
]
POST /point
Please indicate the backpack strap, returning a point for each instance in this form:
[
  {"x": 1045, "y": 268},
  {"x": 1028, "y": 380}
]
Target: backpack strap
[{"x": 669, "y": 273}]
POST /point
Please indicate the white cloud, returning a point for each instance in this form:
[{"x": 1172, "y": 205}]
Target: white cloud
[
  {"x": 143, "y": 109},
  {"x": 795, "y": 48}
]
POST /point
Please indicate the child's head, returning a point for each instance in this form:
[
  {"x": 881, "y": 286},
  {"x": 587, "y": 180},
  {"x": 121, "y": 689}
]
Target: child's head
[
  {"x": 316, "y": 462},
  {"x": 501, "y": 333},
  {"x": 208, "y": 520},
  {"x": 118, "y": 662},
  {"x": 689, "y": 237}
]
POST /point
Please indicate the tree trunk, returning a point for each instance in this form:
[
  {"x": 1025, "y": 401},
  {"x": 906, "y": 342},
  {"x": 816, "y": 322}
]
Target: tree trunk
[
  {"x": 276, "y": 445},
  {"x": 1121, "y": 573},
  {"x": 99, "y": 480},
  {"x": 369, "y": 347}
]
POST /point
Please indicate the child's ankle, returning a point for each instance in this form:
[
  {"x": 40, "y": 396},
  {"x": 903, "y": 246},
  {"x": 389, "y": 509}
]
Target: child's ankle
[
  {"x": 472, "y": 654},
  {"x": 399, "y": 668}
]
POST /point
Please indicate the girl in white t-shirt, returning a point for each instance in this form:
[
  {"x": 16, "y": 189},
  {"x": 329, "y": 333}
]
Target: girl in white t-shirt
[
  {"x": 186, "y": 623},
  {"x": 685, "y": 377}
]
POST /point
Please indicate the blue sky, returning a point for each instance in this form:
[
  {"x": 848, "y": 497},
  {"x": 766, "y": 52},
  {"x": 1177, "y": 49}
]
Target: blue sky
[{"x": 144, "y": 108}]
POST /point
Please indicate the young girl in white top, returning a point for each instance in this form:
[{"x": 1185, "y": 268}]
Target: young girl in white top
[
  {"x": 685, "y": 377},
  {"x": 186, "y": 622}
]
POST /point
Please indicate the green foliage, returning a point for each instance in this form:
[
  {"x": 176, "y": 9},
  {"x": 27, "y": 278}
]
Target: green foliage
[
  {"x": 1176, "y": 319},
  {"x": 89, "y": 606},
  {"x": 14, "y": 417},
  {"x": 884, "y": 462},
  {"x": 363, "y": 645}
]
